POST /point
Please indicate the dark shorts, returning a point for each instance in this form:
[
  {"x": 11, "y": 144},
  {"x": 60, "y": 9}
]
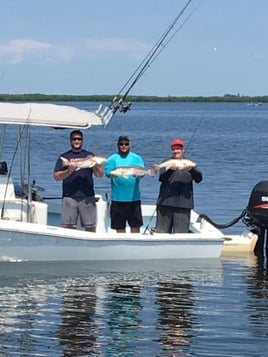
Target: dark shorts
[
  {"x": 125, "y": 212},
  {"x": 84, "y": 208},
  {"x": 172, "y": 219}
]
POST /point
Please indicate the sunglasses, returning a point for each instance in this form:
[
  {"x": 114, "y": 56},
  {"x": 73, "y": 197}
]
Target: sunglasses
[
  {"x": 123, "y": 144},
  {"x": 76, "y": 139}
]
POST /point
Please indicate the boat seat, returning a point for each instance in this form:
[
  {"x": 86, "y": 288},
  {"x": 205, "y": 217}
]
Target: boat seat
[{"x": 7, "y": 190}]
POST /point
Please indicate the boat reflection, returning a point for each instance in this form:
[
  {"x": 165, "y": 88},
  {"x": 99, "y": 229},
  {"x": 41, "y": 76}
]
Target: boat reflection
[
  {"x": 258, "y": 291},
  {"x": 68, "y": 309},
  {"x": 123, "y": 307},
  {"x": 77, "y": 329},
  {"x": 173, "y": 301}
]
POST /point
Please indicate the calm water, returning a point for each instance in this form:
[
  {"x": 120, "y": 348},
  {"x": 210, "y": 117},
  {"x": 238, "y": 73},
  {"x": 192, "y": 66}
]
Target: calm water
[
  {"x": 196, "y": 308},
  {"x": 191, "y": 308}
]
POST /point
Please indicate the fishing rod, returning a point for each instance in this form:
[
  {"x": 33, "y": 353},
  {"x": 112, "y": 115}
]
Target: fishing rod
[
  {"x": 3, "y": 74},
  {"x": 118, "y": 101},
  {"x": 10, "y": 169}
]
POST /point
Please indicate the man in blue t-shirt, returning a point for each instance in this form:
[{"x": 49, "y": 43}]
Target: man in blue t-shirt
[
  {"x": 78, "y": 196},
  {"x": 125, "y": 200}
]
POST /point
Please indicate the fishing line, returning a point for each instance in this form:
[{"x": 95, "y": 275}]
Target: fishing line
[
  {"x": 10, "y": 169},
  {"x": 3, "y": 74},
  {"x": 196, "y": 130},
  {"x": 186, "y": 148},
  {"x": 19, "y": 139},
  {"x": 117, "y": 102},
  {"x": 149, "y": 222},
  {"x": 174, "y": 34},
  {"x": 3, "y": 138},
  {"x": 158, "y": 46}
]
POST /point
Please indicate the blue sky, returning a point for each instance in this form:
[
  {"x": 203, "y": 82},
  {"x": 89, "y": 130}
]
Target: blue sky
[{"x": 93, "y": 46}]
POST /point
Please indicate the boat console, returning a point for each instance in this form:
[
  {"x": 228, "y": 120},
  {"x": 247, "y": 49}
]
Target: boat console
[{"x": 18, "y": 208}]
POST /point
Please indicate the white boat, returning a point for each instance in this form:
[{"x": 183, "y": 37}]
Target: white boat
[
  {"x": 29, "y": 228},
  {"x": 233, "y": 243}
]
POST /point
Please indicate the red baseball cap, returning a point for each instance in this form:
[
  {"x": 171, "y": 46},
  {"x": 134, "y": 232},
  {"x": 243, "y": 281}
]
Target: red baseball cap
[{"x": 177, "y": 142}]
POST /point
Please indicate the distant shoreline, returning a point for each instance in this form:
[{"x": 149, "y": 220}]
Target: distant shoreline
[{"x": 37, "y": 97}]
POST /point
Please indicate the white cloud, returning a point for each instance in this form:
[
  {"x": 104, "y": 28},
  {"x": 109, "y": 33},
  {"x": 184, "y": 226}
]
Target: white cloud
[
  {"x": 17, "y": 50},
  {"x": 134, "y": 48}
]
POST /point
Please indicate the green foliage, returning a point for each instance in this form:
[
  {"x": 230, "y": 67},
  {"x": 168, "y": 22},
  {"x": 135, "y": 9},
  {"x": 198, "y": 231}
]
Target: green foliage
[{"x": 38, "y": 97}]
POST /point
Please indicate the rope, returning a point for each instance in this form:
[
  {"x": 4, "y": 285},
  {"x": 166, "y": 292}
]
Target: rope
[{"x": 225, "y": 225}]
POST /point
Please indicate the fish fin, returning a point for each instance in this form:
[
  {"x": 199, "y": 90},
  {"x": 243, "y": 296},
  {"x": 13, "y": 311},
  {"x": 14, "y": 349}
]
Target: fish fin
[
  {"x": 93, "y": 163},
  {"x": 151, "y": 172}
]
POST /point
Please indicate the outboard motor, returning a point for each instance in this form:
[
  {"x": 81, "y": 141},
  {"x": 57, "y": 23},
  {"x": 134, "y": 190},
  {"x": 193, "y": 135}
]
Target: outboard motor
[{"x": 257, "y": 216}]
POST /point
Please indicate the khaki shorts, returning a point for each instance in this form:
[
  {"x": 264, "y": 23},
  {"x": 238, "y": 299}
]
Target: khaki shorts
[{"x": 74, "y": 208}]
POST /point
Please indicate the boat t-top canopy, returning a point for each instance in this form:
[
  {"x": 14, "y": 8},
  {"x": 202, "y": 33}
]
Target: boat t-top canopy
[{"x": 46, "y": 114}]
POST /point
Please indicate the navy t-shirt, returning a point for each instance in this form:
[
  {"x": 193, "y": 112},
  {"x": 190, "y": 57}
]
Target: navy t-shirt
[{"x": 80, "y": 183}]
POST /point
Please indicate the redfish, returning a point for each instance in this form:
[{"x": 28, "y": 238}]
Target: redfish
[
  {"x": 177, "y": 164},
  {"x": 88, "y": 161}
]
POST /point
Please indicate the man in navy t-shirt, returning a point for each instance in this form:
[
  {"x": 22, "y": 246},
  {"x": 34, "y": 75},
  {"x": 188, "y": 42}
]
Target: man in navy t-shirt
[{"x": 78, "y": 196}]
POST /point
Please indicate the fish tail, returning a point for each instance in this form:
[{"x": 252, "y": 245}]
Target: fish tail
[
  {"x": 64, "y": 160},
  {"x": 155, "y": 168}
]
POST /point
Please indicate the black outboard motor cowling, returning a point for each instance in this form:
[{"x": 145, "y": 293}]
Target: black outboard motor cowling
[
  {"x": 257, "y": 208},
  {"x": 257, "y": 217}
]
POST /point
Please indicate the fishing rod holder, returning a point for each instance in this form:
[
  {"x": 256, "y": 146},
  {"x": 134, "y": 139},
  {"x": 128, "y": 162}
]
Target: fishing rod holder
[
  {"x": 119, "y": 105},
  {"x": 107, "y": 113}
]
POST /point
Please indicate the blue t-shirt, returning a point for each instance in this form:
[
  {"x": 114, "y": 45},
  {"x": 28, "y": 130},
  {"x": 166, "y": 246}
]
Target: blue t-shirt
[
  {"x": 124, "y": 189},
  {"x": 80, "y": 183}
]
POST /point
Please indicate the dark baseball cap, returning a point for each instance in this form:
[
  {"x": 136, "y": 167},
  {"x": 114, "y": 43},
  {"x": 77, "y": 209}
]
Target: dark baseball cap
[{"x": 123, "y": 138}]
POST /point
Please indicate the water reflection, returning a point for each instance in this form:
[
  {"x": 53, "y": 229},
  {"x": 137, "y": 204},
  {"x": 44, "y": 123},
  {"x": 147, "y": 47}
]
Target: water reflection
[
  {"x": 188, "y": 309},
  {"x": 258, "y": 291},
  {"x": 24, "y": 317},
  {"x": 123, "y": 306},
  {"x": 77, "y": 330},
  {"x": 173, "y": 301}
]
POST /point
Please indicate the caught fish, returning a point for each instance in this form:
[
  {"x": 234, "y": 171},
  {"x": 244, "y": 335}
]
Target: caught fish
[
  {"x": 85, "y": 162},
  {"x": 179, "y": 164},
  {"x": 126, "y": 171}
]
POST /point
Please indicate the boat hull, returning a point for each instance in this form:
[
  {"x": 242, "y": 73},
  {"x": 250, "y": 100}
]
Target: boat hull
[
  {"x": 244, "y": 243},
  {"x": 31, "y": 242}
]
